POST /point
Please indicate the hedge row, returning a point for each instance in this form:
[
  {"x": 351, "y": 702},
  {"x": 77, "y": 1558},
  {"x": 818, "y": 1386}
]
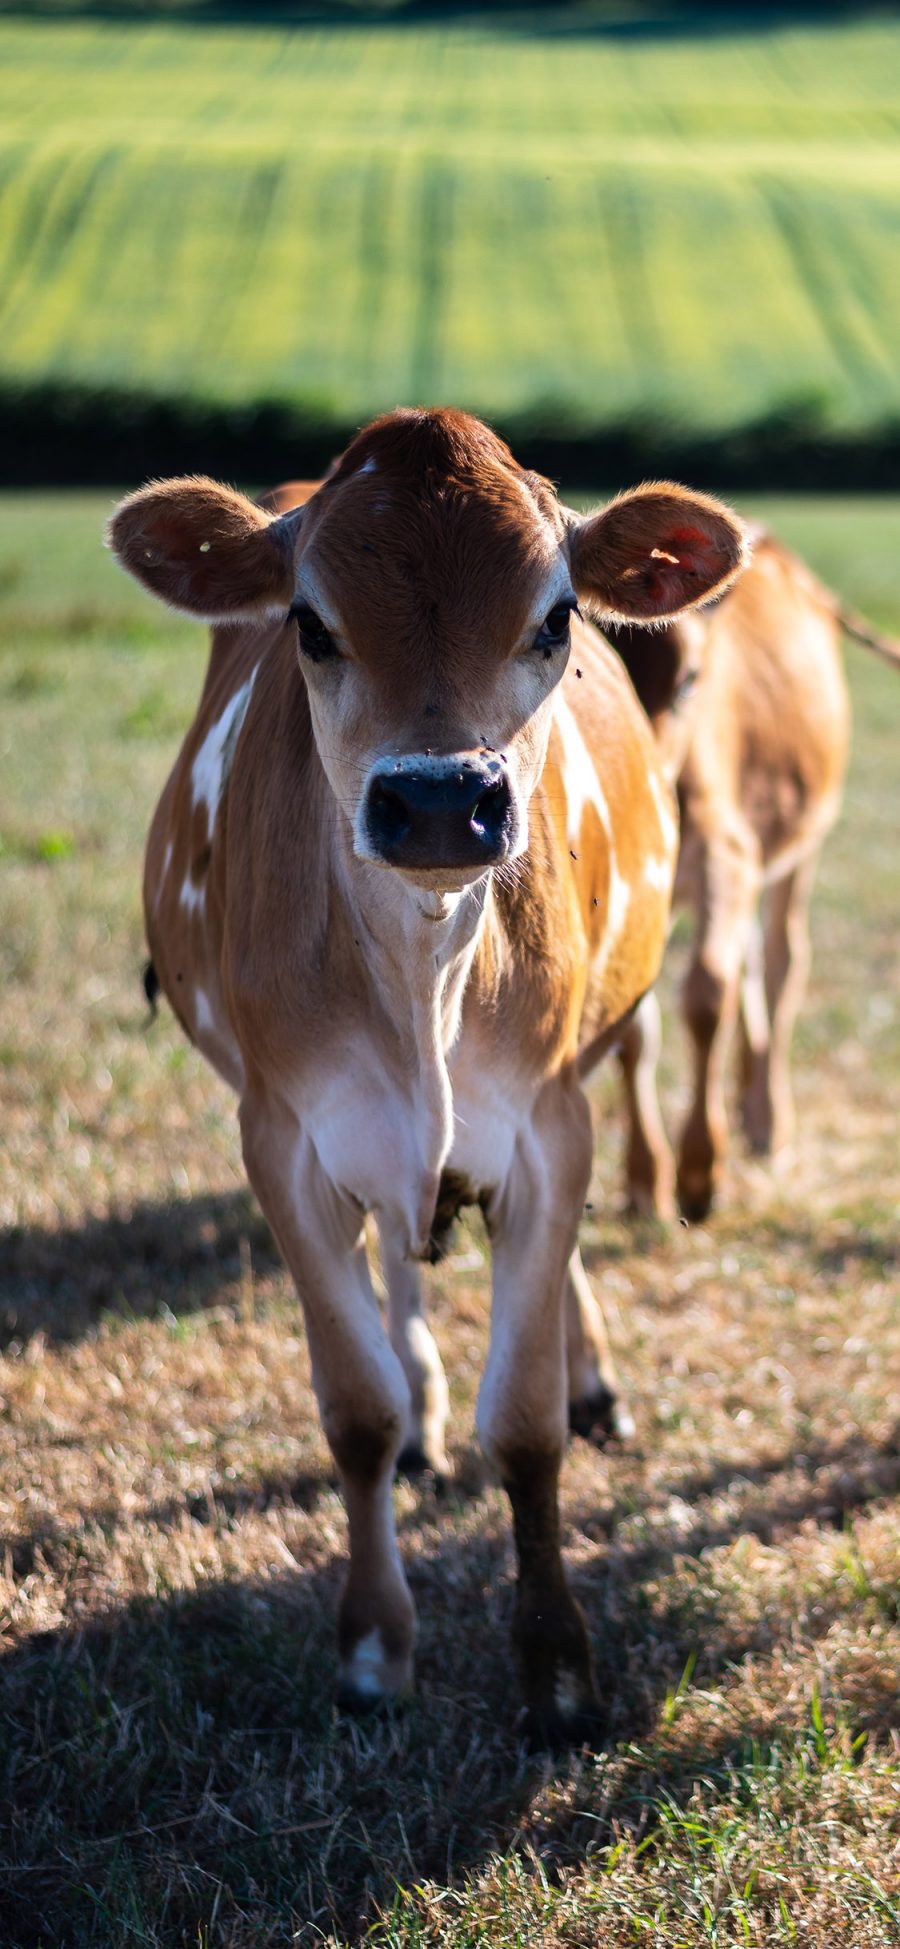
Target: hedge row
[{"x": 63, "y": 436}]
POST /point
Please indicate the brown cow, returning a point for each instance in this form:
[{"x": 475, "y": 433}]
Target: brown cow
[
  {"x": 407, "y": 879},
  {"x": 759, "y": 747}
]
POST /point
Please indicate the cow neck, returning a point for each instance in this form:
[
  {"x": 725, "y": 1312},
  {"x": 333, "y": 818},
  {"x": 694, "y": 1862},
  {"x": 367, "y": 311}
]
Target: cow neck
[{"x": 419, "y": 948}]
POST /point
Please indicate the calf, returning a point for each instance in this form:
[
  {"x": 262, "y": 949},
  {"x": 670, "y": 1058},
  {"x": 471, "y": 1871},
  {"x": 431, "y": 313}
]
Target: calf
[
  {"x": 404, "y": 885},
  {"x": 759, "y": 745}
]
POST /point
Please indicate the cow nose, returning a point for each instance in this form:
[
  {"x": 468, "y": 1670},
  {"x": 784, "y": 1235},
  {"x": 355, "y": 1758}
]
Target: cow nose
[{"x": 440, "y": 813}]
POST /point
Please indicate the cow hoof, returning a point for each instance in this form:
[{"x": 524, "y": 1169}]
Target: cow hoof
[
  {"x": 354, "y": 1702},
  {"x": 415, "y": 1466},
  {"x": 695, "y": 1200},
  {"x": 655, "y": 1207},
  {"x": 561, "y": 1703},
  {"x": 371, "y": 1678},
  {"x": 566, "y": 1723},
  {"x": 601, "y": 1417}
]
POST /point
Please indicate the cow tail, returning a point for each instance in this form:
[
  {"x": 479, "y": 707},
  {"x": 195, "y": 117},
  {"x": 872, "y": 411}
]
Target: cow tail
[
  {"x": 150, "y": 984},
  {"x": 856, "y": 627}
]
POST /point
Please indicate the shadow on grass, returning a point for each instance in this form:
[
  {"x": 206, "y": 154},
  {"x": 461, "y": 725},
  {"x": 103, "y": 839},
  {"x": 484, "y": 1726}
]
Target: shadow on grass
[
  {"x": 841, "y": 1478},
  {"x": 180, "y": 1759},
  {"x": 184, "y": 1254}
]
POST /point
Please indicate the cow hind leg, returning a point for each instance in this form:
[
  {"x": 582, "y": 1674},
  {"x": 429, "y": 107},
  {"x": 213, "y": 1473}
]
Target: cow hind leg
[
  {"x": 766, "y": 1097},
  {"x": 755, "y": 1045},
  {"x": 649, "y": 1167},
  {"x": 730, "y": 887},
  {"x": 596, "y": 1409},
  {"x": 522, "y": 1405},
  {"x": 361, "y": 1388},
  {"x": 423, "y": 1449}
]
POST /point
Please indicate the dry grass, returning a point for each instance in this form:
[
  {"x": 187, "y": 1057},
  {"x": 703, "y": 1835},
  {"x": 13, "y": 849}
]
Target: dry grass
[{"x": 170, "y": 1533}]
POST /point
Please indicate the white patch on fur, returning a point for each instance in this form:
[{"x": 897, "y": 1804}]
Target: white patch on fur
[
  {"x": 566, "y": 1693},
  {"x": 204, "y": 1019},
  {"x": 167, "y": 861},
  {"x": 668, "y": 825},
  {"x": 583, "y": 788},
  {"x": 369, "y": 466},
  {"x": 210, "y": 769},
  {"x": 658, "y": 874},
  {"x": 579, "y": 776},
  {"x": 191, "y": 896},
  {"x": 365, "y": 1666},
  {"x": 618, "y": 905}
]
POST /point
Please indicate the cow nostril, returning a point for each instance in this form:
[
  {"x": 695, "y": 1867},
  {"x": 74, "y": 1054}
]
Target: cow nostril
[
  {"x": 389, "y": 813},
  {"x": 489, "y": 812}
]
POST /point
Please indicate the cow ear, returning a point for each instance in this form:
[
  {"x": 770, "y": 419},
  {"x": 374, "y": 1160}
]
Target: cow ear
[
  {"x": 655, "y": 552},
  {"x": 205, "y": 549}
]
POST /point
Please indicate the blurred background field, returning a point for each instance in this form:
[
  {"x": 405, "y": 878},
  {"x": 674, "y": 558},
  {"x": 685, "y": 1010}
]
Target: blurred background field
[{"x": 677, "y": 232}]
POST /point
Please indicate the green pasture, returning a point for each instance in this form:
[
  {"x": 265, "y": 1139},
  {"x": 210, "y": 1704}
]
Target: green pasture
[{"x": 577, "y": 225}]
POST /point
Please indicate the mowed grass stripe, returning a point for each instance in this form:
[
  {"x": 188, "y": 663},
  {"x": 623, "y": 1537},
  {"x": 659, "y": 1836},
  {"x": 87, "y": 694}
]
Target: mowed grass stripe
[
  {"x": 698, "y": 227},
  {"x": 826, "y": 249},
  {"x": 833, "y": 83},
  {"x": 602, "y": 290}
]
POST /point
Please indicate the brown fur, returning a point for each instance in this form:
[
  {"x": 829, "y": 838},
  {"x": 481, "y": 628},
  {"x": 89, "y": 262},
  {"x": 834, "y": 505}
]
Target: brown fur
[
  {"x": 761, "y": 743},
  {"x": 372, "y": 1026}
]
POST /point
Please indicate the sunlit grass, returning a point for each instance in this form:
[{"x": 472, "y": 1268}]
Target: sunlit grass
[{"x": 171, "y": 1536}]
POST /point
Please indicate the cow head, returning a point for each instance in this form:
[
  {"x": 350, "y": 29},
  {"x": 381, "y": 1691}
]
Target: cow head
[{"x": 430, "y": 584}]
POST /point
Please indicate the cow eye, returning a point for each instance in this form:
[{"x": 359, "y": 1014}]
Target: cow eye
[
  {"x": 315, "y": 640},
  {"x": 554, "y": 631}
]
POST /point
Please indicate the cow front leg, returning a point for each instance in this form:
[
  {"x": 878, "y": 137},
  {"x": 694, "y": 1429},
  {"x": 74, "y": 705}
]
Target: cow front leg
[
  {"x": 596, "y": 1408},
  {"x": 649, "y": 1166},
  {"x": 361, "y": 1389},
  {"x": 533, "y": 1221},
  {"x": 413, "y": 1343}
]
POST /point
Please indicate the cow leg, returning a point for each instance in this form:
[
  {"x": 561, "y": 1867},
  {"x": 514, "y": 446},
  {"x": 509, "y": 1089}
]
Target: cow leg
[
  {"x": 755, "y": 1043},
  {"x": 729, "y": 887},
  {"x": 414, "y": 1345},
  {"x": 533, "y": 1221},
  {"x": 766, "y": 1099},
  {"x": 649, "y": 1166},
  {"x": 361, "y": 1388},
  {"x": 596, "y": 1410}
]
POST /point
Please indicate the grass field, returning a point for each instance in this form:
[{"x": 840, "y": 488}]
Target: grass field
[
  {"x": 585, "y": 226},
  {"x": 171, "y": 1537}
]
